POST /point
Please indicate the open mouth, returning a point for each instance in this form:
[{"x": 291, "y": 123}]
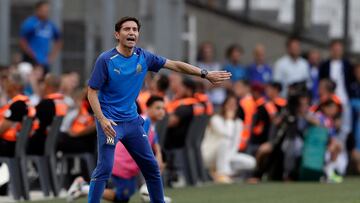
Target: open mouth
[{"x": 130, "y": 39}]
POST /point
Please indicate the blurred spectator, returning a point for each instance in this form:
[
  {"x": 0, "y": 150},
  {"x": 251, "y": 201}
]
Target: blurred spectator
[
  {"x": 51, "y": 105},
  {"x": 181, "y": 111},
  {"x": 220, "y": 145},
  {"x": 157, "y": 86},
  {"x": 37, "y": 34},
  {"x": 266, "y": 111},
  {"x": 339, "y": 69},
  {"x": 3, "y": 76},
  {"x": 234, "y": 66},
  {"x": 355, "y": 103},
  {"x": 291, "y": 68},
  {"x": 314, "y": 59},
  {"x": 259, "y": 71},
  {"x": 246, "y": 111},
  {"x": 281, "y": 155},
  {"x": 69, "y": 83},
  {"x": 203, "y": 99},
  {"x": 79, "y": 130},
  {"x": 206, "y": 56},
  {"x": 12, "y": 113}
]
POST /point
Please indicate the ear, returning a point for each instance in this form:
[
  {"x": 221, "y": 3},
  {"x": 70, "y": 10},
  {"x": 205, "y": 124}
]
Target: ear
[{"x": 117, "y": 35}]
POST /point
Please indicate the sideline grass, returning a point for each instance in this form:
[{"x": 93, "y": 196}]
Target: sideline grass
[{"x": 347, "y": 192}]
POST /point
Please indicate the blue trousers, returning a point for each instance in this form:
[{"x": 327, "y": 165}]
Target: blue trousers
[{"x": 133, "y": 137}]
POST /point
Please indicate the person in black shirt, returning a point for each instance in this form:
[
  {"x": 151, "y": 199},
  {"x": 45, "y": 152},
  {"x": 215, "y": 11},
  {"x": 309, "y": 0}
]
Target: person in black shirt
[
  {"x": 12, "y": 114},
  {"x": 51, "y": 105}
]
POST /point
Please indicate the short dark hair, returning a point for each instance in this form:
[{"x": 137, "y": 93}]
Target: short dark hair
[
  {"x": 292, "y": 39},
  {"x": 330, "y": 85},
  {"x": 40, "y": 4},
  {"x": 336, "y": 41},
  {"x": 126, "y": 19},
  {"x": 153, "y": 99},
  {"x": 163, "y": 83},
  {"x": 232, "y": 48},
  {"x": 276, "y": 85},
  {"x": 244, "y": 82},
  {"x": 189, "y": 84}
]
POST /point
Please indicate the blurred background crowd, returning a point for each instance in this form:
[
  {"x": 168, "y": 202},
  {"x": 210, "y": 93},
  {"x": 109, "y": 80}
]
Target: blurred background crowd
[{"x": 290, "y": 117}]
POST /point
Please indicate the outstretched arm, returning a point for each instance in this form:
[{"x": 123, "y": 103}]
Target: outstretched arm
[{"x": 215, "y": 77}]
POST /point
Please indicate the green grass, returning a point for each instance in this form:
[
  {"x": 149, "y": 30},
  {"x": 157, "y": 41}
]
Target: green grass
[{"x": 347, "y": 192}]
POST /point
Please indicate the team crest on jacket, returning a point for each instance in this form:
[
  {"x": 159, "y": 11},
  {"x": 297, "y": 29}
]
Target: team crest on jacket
[{"x": 138, "y": 68}]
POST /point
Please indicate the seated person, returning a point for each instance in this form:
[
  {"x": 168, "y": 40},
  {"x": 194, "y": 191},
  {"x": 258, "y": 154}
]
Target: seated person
[
  {"x": 12, "y": 113},
  {"x": 125, "y": 170},
  {"x": 181, "y": 111},
  {"x": 51, "y": 105},
  {"x": 220, "y": 145},
  {"x": 79, "y": 129}
]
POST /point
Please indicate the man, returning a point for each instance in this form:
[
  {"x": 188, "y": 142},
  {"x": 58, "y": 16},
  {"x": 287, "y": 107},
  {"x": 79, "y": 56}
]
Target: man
[
  {"x": 125, "y": 170},
  {"x": 51, "y": 105},
  {"x": 36, "y": 36},
  {"x": 291, "y": 68},
  {"x": 246, "y": 110},
  {"x": 259, "y": 71},
  {"x": 340, "y": 70},
  {"x": 264, "y": 116},
  {"x": 12, "y": 113},
  {"x": 113, "y": 88}
]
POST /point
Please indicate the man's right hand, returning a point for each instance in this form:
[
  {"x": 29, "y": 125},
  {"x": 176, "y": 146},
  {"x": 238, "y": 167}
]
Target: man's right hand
[{"x": 106, "y": 125}]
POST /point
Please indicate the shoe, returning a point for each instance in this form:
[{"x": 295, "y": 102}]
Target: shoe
[
  {"x": 145, "y": 198},
  {"x": 74, "y": 191},
  {"x": 334, "y": 178}
]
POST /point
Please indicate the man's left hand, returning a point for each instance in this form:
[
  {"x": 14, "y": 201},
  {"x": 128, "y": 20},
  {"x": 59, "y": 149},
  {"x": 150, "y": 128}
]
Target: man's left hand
[{"x": 217, "y": 77}]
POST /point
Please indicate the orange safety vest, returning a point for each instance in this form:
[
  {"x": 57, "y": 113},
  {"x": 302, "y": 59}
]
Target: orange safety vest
[
  {"x": 248, "y": 105},
  {"x": 333, "y": 97},
  {"x": 271, "y": 109},
  {"x": 198, "y": 109},
  {"x": 61, "y": 108},
  {"x": 142, "y": 99},
  {"x": 82, "y": 120},
  {"x": 10, "y": 134},
  {"x": 204, "y": 99}
]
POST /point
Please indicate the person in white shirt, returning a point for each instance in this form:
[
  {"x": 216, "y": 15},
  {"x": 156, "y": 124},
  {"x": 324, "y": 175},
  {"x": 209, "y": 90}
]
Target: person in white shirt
[
  {"x": 291, "y": 68},
  {"x": 220, "y": 145},
  {"x": 339, "y": 69},
  {"x": 206, "y": 60}
]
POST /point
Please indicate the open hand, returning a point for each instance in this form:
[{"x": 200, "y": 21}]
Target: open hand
[
  {"x": 106, "y": 125},
  {"x": 217, "y": 77}
]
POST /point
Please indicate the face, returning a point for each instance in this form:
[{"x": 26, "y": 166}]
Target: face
[
  {"x": 231, "y": 104},
  {"x": 314, "y": 57},
  {"x": 259, "y": 54},
  {"x": 235, "y": 56},
  {"x": 128, "y": 34},
  {"x": 156, "y": 111},
  {"x": 357, "y": 72},
  {"x": 207, "y": 52},
  {"x": 303, "y": 105},
  {"x": 43, "y": 12},
  {"x": 270, "y": 91},
  {"x": 336, "y": 50},
  {"x": 294, "y": 48},
  {"x": 240, "y": 89},
  {"x": 331, "y": 110}
]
